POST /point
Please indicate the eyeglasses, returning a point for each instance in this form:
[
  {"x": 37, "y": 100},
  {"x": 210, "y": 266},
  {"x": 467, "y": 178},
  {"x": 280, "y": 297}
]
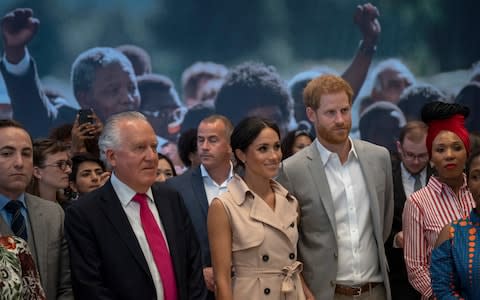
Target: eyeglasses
[
  {"x": 423, "y": 157},
  {"x": 177, "y": 113},
  {"x": 61, "y": 164}
]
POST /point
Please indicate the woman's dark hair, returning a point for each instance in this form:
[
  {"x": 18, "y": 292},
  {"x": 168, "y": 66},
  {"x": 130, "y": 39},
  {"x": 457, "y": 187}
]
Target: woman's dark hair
[
  {"x": 289, "y": 141},
  {"x": 247, "y": 131},
  {"x": 440, "y": 111},
  {"x": 162, "y": 156},
  {"x": 78, "y": 159},
  {"x": 187, "y": 143},
  {"x": 470, "y": 159}
]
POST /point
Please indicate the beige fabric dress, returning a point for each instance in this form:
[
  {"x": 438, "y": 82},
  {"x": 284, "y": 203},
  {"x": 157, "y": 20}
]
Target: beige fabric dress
[{"x": 264, "y": 243}]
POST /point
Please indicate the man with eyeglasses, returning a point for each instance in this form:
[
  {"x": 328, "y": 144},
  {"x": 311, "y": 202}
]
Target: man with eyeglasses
[
  {"x": 38, "y": 221},
  {"x": 161, "y": 105},
  {"x": 410, "y": 172}
]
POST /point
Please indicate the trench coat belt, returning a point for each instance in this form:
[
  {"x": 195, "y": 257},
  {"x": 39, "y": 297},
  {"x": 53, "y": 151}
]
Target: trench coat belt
[{"x": 288, "y": 272}]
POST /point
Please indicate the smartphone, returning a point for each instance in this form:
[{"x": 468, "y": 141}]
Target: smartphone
[{"x": 85, "y": 116}]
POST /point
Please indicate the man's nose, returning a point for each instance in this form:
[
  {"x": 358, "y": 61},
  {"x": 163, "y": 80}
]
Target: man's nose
[
  {"x": 19, "y": 160},
  {"x": 204, "y": 144}
]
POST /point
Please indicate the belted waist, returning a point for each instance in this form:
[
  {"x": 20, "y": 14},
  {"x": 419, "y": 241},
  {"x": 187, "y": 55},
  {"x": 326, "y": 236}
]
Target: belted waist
[
  {"x": 355, "y": 290},
  {"x": 288, "y": 272}
]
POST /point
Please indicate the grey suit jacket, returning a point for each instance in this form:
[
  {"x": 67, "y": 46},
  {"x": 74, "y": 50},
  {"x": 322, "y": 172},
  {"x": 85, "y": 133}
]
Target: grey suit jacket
[
  {"x": 303, "y": 175},
  {"x": 48, "y": 246}
]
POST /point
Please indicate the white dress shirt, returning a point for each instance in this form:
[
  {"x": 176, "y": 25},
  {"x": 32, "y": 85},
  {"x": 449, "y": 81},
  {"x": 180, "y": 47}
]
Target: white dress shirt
[
  {"x": 132, "y": 210},
  {"x": 18, "y": 69},
  {"x": 357, "y": 250},
  {"x": 408, "y": 180},
  {"x": 212, "y": 189}
]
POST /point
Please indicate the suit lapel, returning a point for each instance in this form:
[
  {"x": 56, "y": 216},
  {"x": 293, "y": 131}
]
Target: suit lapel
[
  {"x": 199, "y": 191},
  {"x": 261, "y": 212},
  {"x": 369, "y": 175},
  {"x": 4, "y": 228},
  {"x": 113, "y": 210},
  {"x": 167, "y": 218},
  {"x": 398, "y": 183},
  {"x": 320, "y": 183},
  {"x": 37, "y": 217}
]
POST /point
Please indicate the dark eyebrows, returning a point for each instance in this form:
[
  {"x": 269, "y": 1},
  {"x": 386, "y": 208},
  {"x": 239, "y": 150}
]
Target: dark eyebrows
[
  {"x": 11, "y": 148},
  {"x": 7, "y": 148}
]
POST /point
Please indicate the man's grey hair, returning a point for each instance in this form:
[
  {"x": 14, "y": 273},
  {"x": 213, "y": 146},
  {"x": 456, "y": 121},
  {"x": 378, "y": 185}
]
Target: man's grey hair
[
  {"x": 110, "y": 136},
  {"x": 86, "y": 64},
  {"x": 392, "y": 64}
]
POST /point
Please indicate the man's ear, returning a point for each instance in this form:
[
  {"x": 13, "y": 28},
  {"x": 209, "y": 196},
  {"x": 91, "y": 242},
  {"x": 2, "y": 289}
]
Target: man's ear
[
  {"x": 312, "y": 116},
  {"x": 399, "y": 147},
  {"x": 111, "y": 157}
]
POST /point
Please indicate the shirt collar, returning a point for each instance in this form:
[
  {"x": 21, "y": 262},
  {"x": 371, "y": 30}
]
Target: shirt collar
[
  {"x": 325, "y": 154},
  {"x": 407, "y": 174},
  {"x": 439, "y": 186},
  {"x": 238, "y": 187},
  {"x": 124, "y": 192},
  {"x": 204, "y": 172},
  {"x": 4, "y": 200}
]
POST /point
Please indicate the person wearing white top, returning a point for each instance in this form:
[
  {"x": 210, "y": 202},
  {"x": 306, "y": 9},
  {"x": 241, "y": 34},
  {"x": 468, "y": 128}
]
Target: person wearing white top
[{"x": 345, "y": 191}]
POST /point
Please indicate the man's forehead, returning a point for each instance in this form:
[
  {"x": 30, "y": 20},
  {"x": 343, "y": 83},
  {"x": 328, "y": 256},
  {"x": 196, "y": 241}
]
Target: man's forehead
[
  {"x": 136, "y": 129},
  {"x": 413, "y": 146},
  {"x": 14, "y": 135},
  {"x": 112, "y": 72},
  {"x": 392, "y": 75},
  {"x": 211, "y": 125}
]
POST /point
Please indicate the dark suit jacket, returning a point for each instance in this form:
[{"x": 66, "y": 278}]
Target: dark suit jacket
[
  {"x": 48, "y": 246},
  {"x": 190, "y": 186},
  {"x": 401, "y": 288},
  {"x": 31, "y": 106},
  {"x": 106, "y": 258}
]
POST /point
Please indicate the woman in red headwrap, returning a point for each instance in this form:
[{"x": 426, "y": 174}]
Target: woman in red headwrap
[{"x": 445, "y": 198}]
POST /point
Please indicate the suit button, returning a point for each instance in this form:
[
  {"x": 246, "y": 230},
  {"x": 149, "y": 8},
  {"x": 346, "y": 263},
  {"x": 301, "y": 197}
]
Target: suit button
[
  {"x": 332, "y": 283},
  {"x": 265, "y": 258},
  {"x": 266, "y": 291},
  {"x": 335, "y": 255},
  {"x": 292, "y": 256}
]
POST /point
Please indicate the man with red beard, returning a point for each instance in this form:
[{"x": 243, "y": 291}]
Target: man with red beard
[{"x": 345, "y": 192}]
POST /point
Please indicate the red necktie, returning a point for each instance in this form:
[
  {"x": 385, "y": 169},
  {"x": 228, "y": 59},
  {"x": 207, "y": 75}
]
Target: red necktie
[{"x": 159, "y": 249}]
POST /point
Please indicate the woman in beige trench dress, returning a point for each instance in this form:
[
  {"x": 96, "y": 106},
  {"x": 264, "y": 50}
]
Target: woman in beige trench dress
[{"x": 252, "y": 227}]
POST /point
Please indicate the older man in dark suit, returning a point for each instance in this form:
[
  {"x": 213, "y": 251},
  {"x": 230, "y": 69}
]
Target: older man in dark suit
[{"x": 133, "y": 239}]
